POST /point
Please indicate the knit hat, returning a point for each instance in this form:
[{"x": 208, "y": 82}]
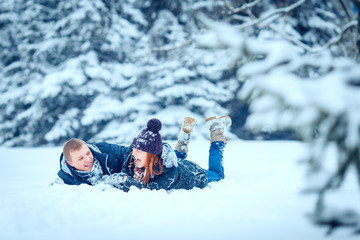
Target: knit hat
[{"x": 149, "y": 140}]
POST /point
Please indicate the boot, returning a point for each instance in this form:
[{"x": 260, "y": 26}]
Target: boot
[
  {"x": 217, "y": 127},
  {"x": 184, "y": 135}
]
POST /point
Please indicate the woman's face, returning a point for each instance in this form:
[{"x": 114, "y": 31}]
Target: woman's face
[{"x": 140, "y": 157}]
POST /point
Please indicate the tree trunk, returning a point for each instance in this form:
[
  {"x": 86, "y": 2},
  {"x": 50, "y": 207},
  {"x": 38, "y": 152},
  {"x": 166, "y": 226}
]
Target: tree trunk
[{"x": 357, "y": 4}]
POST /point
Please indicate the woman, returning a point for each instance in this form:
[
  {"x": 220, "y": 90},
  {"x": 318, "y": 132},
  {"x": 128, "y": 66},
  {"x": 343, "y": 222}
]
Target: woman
[{"x": 154, "y": 165}]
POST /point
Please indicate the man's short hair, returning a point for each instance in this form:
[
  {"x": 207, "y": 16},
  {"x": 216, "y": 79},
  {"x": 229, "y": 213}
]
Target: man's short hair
[{"x": 71, "y": 145}]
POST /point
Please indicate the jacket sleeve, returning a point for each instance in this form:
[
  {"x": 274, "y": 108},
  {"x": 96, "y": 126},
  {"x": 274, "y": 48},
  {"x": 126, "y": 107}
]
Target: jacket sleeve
[
  {"x": 120, "y": 152},
  {"x": 126, "y": 167},
  {"x": 131, "y": 182},
  {"x": 113, "y": 179},
  {"x": 164, "y": 181}
]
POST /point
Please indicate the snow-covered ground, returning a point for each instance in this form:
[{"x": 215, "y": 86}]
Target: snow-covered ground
[{"x": 259, "y": 199}]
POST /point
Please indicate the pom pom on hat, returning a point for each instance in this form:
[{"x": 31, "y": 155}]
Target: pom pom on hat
[
  {"x": 154, "y": 125},
  {"x": 149, "y": 140}
]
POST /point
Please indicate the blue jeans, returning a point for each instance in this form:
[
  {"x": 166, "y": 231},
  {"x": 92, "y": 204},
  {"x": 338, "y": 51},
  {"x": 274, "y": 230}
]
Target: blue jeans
[{"x": 216, "y": 169}]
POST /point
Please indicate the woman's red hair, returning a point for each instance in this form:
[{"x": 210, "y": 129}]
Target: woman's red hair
[{"x": 153, "y": 166}]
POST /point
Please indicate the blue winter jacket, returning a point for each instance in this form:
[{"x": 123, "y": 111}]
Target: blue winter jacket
[
  {"x": 110, "y": 156},
  {"x": 177, "y": 173}
]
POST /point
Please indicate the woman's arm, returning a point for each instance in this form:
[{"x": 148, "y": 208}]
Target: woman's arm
[{"x": 164, "y": 181}]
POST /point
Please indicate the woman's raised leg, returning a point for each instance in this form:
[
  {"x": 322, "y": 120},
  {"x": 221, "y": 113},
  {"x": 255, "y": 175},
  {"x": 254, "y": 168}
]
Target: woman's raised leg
[
  {"x": 218, "y": 142},
  {"x": 181, "y": 147}
]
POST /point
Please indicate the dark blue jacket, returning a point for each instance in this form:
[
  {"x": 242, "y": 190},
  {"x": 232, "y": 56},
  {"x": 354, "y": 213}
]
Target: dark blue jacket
[
  {"x": 110, "y": 156},
  {"x": 177, "y": 173}
]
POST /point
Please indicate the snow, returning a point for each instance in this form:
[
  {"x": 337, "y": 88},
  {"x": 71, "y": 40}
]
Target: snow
[
  {"x": 222, "y": 35},
  {"x": 317, "y": 22},
  {"x": 258, "y": 199},
  {"x": 135, "y": 14}
]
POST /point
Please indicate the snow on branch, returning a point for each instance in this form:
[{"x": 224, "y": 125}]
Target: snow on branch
[
  {"x": 338, "y": 38},
  {"x": 316, "y": 95},
  {"x": 331, "y": 42},
  {"x": 172, "y": 47},
  {"x": 267, "y": 20},
  {"x": 322, "y": 111},
  {"x": 242, "y": 8},
  {"x": 278, "y": 11}
]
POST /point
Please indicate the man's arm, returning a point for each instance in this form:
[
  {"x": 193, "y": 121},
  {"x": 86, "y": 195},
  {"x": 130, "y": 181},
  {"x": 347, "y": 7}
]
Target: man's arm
[{"x": 119, "y": 152}]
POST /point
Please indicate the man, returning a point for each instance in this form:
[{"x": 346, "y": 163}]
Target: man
[{"x": 91, "y": 163}]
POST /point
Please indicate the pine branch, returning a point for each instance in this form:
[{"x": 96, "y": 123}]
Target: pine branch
[
  {"x": 291, "y": 39},
  {"x": 279, "y": 11},
  {"x": 242, "y": 8},
  {"x": 345, "y": 10},
  {"x": 241, "y": 18},
  {"x": 331, "y": 42},
  {"x": 357, "y": 4},
  {"x": 357, "y": 165},
  {"x": 334, "y": 180},
  {"x": 339, "y": 37},
  {"x": 167, "y": 48}
]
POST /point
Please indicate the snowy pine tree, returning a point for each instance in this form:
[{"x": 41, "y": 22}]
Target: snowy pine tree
[
  {"x": 99, "y": 70},
  {"x": 92, "y": 70},
  {"x": 293, "y": 82}
]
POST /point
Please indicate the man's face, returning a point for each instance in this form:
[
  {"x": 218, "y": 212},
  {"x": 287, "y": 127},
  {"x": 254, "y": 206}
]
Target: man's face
[{"x": 82, "y": 159}]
